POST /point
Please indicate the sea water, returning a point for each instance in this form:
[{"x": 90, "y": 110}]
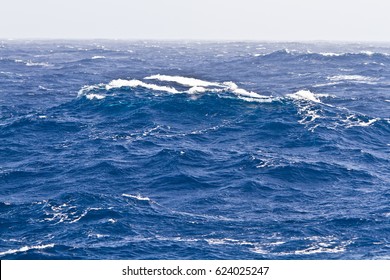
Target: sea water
[{"x": 194, "y": 150}]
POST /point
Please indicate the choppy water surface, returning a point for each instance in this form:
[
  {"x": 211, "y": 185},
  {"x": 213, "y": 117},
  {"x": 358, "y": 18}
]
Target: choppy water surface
[{"x": 150, "y": 150}]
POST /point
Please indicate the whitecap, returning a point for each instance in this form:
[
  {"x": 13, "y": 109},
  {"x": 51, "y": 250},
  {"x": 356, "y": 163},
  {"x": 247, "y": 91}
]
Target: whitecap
[
  {"x": 259, "y": 250},
  {"x": 26, "y": 248},
  {"x": 327, "y": 84},
  {"x": 353, "y": 120},
  {"x": 331, "y": 54},
  {"x": 136, "y": 83},
  {"x": 138, "y": 197},
  {"x": 63, "y": 213},
  {"x": 31, "y": 63},
  {"x": 86, "y": 89},
  {"x": 258, "y": 100},
  {"x": 6, "y": 73},
  {"x": 196, "y": 89},
  {"x": 80, "y": 217},
  {"x": 327, "y": 244},
  {"x": 97, "y": 235},
  {"x": 190, "y": 82},
  {"x": 320, "y": 249},
  {"x": 44, "y": 64},
  {"x": 242, "y": 92},
  {"x": 369, "y": 122},
  {"x": 151, "y": 130},
  {"x": 196, "y": 86},
  {"x": 176, "y": 239},
  {"x": 217, "y": 241},
  {"x": 369, "y": 53},
  {"x": 304, "y": 95},
  {"x": 98, "y": 57},
  {"x": 353, "y": 78},
  {"x": 363, "y": 123},
  {"x": 325, "y": 95},
  {"x": 95, "y": 96}
]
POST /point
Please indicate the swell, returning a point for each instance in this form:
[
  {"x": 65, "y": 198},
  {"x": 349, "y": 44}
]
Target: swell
[
  {"x": 324, "y": 56},
  {"x": 243, "y": 160}
]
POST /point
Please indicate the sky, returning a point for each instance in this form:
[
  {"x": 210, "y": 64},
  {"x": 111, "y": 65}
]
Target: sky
[{"x": 260, "y": 20}]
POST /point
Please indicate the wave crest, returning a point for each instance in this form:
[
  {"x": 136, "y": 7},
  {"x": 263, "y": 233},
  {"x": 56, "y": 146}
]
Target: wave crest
[{"x": 193, "y": 86}]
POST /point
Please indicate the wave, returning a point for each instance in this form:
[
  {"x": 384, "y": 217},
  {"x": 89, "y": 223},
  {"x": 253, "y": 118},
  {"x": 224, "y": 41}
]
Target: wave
[
  {"x": 304, "y": 95},
  {"x": 341, "y": 79},
  {"x": 364, "y": 53},
  {"x": 194, "y": 86},
  {"x": 26, "y": 248},
  {"x": 32, "y": 63},
  {"x": 191, "y": 82},
  {"x": 313, "y": 112},
  {"x": 330, "y": 55},
  {"x": 354, "y": 120},
  {"x": 137, "y": 197},
  {"x": 95, "y": 96},
  {"x": 353, "y": 78},
  {"x": 200, "y": 86},
  {"x": 136, "y": 83},
  {"x": 310, "y": 245}
]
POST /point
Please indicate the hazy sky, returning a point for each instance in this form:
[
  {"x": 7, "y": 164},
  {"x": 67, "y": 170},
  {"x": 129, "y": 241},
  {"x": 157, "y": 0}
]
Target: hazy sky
[{"x": 291, "y": 20}]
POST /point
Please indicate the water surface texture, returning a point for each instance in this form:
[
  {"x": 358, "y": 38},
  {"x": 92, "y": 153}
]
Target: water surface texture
[{"x": 159, "y": 150}]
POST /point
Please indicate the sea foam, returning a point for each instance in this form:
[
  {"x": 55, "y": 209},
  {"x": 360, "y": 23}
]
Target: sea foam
[
  {"x": 185, "y": 81},
  {"x": 136, "y": 83},
  {"x": 304, "y": 95},
  {"x": 26, "y": 248},
  {"x": 353, "y": 78},
  {"x": 195, "y": 86}
]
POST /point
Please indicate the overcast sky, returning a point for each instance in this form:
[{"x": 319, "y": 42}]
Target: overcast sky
[{"x": 283, "y": 20}]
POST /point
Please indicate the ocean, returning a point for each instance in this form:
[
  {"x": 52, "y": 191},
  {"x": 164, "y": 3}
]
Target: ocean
[{"x": 194, "y": 150}]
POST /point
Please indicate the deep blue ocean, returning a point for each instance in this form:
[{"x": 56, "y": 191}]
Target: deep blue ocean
[{"x": 194, "y": 150}]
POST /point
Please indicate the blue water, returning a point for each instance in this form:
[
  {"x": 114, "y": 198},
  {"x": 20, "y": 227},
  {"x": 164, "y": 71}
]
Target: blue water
[{"x": 186, "y": 150}]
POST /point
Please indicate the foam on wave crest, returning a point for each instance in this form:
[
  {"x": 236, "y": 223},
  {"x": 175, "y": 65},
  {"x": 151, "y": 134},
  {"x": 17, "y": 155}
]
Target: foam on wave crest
[
  {"x": 137, "y": 83},
  {"x": 25, "y": 249},
  {"x": 95, "y": 96},
  {"x": 367, "y": 53},
  {"x": 353, "y": 78},
  {"x": 195, "y": 86},
  {"x": 137, "y": 197},
  {"x": 304, "y": 95},
  {"x": 185, "y": 81},
  {"x": 33, "y": 63},
  {"x": 309, "y": 53}
]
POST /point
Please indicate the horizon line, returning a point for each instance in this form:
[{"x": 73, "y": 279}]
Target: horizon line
[{"x": 198, "y": 40}]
